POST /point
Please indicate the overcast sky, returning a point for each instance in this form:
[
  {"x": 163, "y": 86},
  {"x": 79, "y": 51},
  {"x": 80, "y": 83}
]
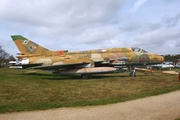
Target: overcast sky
[{"x": 92, "y": 24}]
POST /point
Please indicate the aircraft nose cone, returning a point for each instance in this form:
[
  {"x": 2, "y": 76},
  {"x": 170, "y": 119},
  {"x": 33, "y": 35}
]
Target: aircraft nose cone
[
  {"x": 159, "y": 58},
  {"x": 162, "y": 59}
]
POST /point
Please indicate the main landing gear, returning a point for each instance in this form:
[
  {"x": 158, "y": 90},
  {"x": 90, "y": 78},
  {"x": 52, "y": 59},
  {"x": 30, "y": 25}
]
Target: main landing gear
[
  {"x": 89, "y": 76},
  {"x": 86, "y": 76},
  {"x": 132, "y": 71}
]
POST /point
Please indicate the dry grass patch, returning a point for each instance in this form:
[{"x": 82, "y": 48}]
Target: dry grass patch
[{"x": 21, "y": 90}]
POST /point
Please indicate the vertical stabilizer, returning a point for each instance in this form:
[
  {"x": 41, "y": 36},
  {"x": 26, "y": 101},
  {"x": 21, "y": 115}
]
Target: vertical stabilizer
[{"x": 27, "y": 47}]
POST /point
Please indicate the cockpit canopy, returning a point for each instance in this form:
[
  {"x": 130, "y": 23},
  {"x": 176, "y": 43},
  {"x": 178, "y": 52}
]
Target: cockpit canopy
[{"x": 136, "y": 49}]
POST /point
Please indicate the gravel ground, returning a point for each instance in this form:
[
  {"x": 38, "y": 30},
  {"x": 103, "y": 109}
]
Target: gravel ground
[{"x": 161, "y": 107}]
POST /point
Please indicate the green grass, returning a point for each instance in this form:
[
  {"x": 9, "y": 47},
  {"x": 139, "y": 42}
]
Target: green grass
[{"x": 26, "y": 90}]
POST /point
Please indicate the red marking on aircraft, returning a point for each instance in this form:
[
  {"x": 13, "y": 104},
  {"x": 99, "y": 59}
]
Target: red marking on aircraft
[{"x": 60, "y": 52}]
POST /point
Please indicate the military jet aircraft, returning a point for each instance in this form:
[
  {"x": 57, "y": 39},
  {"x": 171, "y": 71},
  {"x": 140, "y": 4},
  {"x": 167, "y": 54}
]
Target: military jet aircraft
[{"x": 84, "y": 63}]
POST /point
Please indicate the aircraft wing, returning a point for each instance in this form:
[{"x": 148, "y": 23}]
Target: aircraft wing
[
  {"x": 122, "y": 63},
  {"x": 145, "y": 70},
  {"x": 60, "y": 66}
]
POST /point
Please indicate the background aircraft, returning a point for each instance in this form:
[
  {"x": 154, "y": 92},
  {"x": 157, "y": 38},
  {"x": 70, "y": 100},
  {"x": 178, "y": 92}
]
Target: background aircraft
[
  {"x": 164, "y": 65},
  {"x": 83, "y": 62}
]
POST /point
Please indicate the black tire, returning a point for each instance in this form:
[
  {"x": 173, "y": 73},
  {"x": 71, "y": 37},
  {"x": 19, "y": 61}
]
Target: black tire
[{"x": 86, "y": 76}]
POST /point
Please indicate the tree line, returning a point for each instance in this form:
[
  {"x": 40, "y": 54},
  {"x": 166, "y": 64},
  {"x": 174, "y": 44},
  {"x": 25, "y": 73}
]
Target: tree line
[
  {"x": 171, "y": 57},
  {"x": 5, "y": 57}
]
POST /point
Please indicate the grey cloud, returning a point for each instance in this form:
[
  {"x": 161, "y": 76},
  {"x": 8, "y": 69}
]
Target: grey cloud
[
  {"x": 63, "y": 13},
  {"x": 133, "y": 26},
  {"x": 158, "y": 37},
  {"x": 171, "y": 21},
  {"x": 58, "y": 18},
  {"x": 152, "y": 27},
  {"x": 153, "y": 36},
  {"x": 178, "y": 43},
  {"x": 97, "y": 35},
  {"x": 141, "y": 26}
]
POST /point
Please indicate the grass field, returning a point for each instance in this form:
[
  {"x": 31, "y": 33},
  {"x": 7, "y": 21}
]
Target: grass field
[{"x": 26, "y": 90}]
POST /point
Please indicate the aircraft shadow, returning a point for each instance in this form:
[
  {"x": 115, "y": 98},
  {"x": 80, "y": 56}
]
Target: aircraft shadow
[{"x": 71, "y": 76}]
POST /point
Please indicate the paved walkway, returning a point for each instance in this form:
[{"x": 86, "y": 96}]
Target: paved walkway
[{"x": 162, "y": 107}]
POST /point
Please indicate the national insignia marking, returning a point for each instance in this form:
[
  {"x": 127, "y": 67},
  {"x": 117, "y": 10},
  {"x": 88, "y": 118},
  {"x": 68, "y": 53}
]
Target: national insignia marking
[{"x": 25, "y": 42}]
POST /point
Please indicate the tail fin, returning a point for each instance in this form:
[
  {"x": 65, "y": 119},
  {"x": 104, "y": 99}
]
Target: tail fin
[{"x": 28, "y": 47}]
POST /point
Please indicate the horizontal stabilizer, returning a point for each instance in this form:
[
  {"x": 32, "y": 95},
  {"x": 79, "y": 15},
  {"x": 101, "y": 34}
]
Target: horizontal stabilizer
[
  {"x": 20, "y": 53},
  {"x": 24, "y": 66}
]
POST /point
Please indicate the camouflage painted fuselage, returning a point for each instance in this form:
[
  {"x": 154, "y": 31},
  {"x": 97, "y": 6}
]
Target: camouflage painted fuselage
[
  {"x": 32, "y": 53},
  {"x": 117, "y": 56}
]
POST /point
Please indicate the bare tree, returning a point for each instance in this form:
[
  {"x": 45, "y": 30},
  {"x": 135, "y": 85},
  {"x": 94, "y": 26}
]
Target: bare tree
[
  {"x": 11, "y": 58},
  {"x": 4, "y": 56}
]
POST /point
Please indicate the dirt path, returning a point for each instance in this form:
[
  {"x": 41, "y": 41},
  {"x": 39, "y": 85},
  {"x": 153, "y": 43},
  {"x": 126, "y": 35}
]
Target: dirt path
[{"x": 162, "y": 107}]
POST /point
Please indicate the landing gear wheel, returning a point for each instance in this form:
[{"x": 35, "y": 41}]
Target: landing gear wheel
[
  {"x": 86, "y": 76},
  {"x": 132, "y": 72}
]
